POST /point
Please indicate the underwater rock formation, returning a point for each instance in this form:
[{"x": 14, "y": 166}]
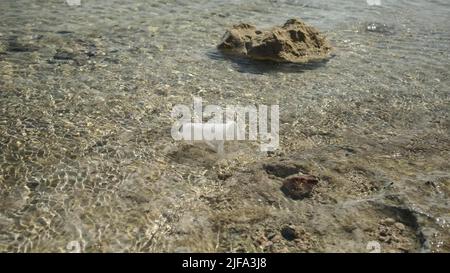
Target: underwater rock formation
[{"x": 294, "y": 42}]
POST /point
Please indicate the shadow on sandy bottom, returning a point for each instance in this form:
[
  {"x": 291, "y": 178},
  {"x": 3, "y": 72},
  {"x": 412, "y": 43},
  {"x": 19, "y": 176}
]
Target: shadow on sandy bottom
[{"x": 246, "y": 65}]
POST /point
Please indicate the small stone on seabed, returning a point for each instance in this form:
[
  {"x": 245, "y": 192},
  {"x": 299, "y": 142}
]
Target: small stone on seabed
[
  {"x": 388, "y": 221},
  {"x": 299, "y": 186},
  {"x": 399, "y": 226},
  {"x": 64, "y": 55},
  {"x": 291, "y": 232}
]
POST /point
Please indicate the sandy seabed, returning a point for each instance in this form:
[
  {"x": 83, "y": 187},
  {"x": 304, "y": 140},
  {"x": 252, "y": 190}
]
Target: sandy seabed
[{"x": 87, "y": 161}]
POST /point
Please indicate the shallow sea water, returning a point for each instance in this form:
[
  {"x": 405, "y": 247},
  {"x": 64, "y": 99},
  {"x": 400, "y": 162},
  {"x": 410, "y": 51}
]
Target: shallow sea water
[{"x": 87, "y": 162}]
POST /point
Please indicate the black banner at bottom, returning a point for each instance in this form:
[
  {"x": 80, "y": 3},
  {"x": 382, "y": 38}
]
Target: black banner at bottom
[{"x": 223, "y": 262}]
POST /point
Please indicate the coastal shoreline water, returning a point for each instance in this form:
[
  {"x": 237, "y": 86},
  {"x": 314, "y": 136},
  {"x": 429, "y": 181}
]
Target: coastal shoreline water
[{"x": 87, "y": 161}]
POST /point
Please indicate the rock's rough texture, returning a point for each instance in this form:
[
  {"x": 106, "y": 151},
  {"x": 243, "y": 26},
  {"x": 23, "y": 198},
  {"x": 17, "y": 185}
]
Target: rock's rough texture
[
  {"x": 294, "y": 42},
  {"x": 299, "y": 186}
]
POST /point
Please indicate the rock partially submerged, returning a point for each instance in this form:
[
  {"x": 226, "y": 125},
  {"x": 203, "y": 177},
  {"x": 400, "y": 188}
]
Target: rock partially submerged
[{"x": 294, "y": 42}]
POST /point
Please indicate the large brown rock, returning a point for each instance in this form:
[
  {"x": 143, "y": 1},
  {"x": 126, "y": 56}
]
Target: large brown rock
[{"x": 294, "y": 42}]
